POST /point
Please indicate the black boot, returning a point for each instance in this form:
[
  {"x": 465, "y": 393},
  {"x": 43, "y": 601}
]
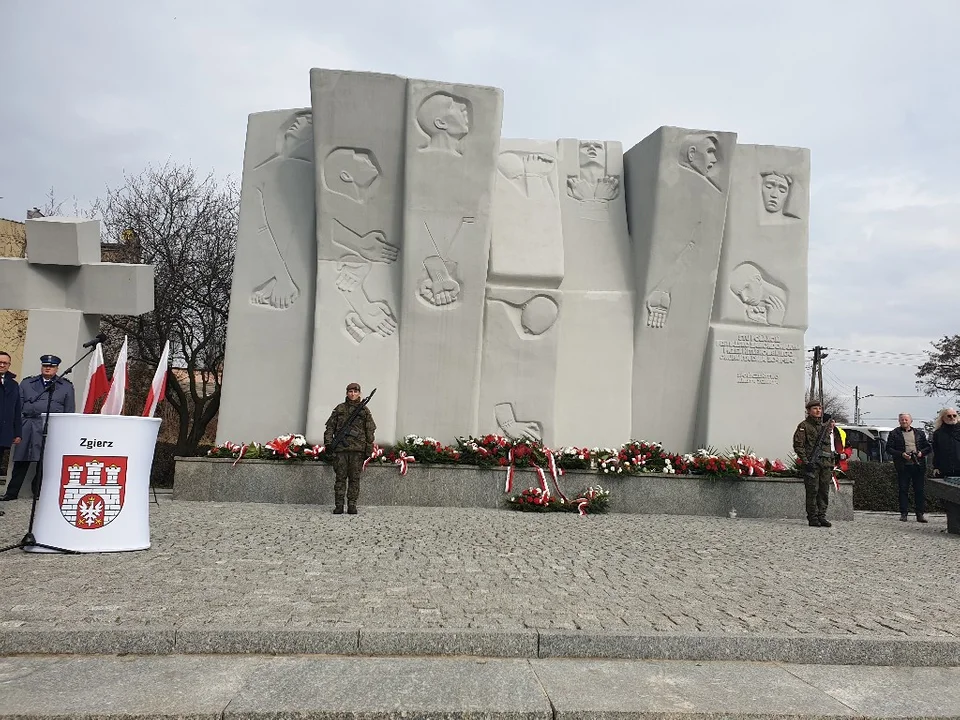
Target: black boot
[
  {"x": 351, "y": 509},
  {"x": 814, "y": 522},
  {"x": 824, "y": 522},
  {"x": 338, "y": 506},
  {"x": 903, "y": 517},
  {"x": 921, "y": 518}
]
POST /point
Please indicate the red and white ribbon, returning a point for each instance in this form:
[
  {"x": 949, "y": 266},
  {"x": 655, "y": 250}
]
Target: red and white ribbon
[
  {"x": 582, "y": 506},
  {"x": 377, "y": 452},
  {"x": 403, "y": 460},
  {"x": 243, "y": 451},
  {"x": 508, "y": 487},
  {"x": 555, "y": 473},
  {"x": 836, "y": 483}
]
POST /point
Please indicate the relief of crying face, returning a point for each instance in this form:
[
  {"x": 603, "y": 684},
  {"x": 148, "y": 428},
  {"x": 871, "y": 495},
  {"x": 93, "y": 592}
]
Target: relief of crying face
[
  {"x": 751, "y": 291},
  {"x": 774, "y": 188},
  {"x": 593, "y": 160}
]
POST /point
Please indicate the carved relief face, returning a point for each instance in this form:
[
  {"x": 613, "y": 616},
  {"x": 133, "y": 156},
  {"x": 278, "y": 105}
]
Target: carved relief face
[
  {"x": 364, "y": 172},
  {"x": 774, "y": 188},
  {"x": 446, "y": 115},
  {"x": 751, "y": 292},
  {"x": 299, "y": 132},
  {"x": 702, "y": 155},
  {"x": 592, "y": 153}
]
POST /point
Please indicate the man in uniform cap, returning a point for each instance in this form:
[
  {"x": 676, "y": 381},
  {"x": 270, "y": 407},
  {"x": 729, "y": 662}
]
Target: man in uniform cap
[
  {"x": 35, "y": 392},
  {"x": 818, "y": 475},
  {"x": 356, "y": 445}
]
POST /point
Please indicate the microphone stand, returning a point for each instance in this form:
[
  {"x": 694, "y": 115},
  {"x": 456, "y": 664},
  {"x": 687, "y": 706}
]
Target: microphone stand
[{"x": 28, "y": 540}]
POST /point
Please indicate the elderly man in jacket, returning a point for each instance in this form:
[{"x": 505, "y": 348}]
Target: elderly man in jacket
[
  {"x": 908, "y": 447},
  {"x": 36, "y": 392}
]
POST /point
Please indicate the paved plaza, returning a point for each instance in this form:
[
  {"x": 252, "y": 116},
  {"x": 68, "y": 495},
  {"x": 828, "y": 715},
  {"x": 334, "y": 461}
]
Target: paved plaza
[{"x": 262, "y": 566}]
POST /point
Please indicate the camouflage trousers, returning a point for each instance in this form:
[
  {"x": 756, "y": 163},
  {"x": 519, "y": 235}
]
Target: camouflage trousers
[
  {"x": 817, "y": 483},
  {"x": 347, "y": 466}
]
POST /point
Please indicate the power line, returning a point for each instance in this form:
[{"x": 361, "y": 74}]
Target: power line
[{"x": 877, "y": 352}]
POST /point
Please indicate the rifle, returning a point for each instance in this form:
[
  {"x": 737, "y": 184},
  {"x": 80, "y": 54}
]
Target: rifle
[
  {"x": 338, "y": 438},
  {"x": 818, "y": 448}
]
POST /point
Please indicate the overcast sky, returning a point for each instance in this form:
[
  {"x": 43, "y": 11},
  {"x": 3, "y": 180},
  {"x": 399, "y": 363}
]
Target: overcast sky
[{"x": 90, "y": 89}]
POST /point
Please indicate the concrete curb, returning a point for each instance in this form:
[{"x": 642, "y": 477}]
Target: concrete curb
[{"x": 531, "y": 644}]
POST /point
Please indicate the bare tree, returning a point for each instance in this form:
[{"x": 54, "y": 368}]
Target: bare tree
[
  {"x": 185, "y": 226},
  {"x": 834, "y": 405},
  {"x": 940, "y": 374}
]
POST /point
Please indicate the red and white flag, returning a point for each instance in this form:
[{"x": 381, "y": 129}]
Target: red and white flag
[
  {"x": 158, "y": 388},
  {"x": 97, "y": 383},
  {"x": 113, "y": 405}
]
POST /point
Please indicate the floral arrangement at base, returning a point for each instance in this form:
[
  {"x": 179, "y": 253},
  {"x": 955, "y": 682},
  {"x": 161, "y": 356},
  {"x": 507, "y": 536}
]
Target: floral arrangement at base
[
  {"x": 593, "y": 500},
  {"x": 496, "y": 451},
  {"x": 637, "y": 457}
]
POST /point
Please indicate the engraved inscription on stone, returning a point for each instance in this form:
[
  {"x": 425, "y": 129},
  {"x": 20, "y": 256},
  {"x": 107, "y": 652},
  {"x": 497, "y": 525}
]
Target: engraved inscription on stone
[
  {"x": 699, "y": 153},
  {"x": 530, "y": 173},
  {"x": 759, "y": 348},
  {"x": 593, "y": 184},
  {"x": 351, "y": 172},
  {"x": 444, "y": 121},
  {"x": 764, "y": 303},
  {"x": 517, "y": 429},
  {"x": 758, "y": 378},
  {"x": 277, "y": 229}
]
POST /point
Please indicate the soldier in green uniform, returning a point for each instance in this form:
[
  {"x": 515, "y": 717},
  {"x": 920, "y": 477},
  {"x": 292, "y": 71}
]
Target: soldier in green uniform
[
  {"x": 356, "y": 445},
  {"x": 818, "y": 475}
]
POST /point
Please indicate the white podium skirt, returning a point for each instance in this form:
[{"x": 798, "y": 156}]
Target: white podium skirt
[{"x": 95, "y": 495}]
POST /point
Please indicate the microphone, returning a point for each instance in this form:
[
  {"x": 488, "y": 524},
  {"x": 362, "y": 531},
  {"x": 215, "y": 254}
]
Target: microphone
[{"x": 101, "y": 338}]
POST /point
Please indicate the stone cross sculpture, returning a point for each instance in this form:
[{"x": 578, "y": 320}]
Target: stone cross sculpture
[
  {"x": 563, "y": 291},
  {"x": 65, "y": 287}
]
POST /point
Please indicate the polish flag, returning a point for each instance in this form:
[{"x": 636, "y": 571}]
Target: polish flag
[
  {"x": 158, "y": 388},
  {"x": 118, "y": 385},
  {"x": 97, "y": 383}
]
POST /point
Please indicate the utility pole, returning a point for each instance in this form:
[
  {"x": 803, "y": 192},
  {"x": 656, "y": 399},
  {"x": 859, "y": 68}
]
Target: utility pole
[
  {"x": 856, "y": 404},
  {"x": 816, "y": 374}
]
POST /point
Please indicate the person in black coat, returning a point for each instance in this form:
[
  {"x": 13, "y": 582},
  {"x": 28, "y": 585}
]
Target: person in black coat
[
  {"x": 10, "y": 408},
  {"x": 908, "y": 447},
  {"x": 946, "y": 444}
]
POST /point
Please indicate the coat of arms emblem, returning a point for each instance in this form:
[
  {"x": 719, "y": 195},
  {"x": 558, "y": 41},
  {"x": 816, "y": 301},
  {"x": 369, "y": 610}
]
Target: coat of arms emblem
[{"x": 92, "y": 489}]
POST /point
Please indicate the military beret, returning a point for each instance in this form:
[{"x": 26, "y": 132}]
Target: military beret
[
  {"x": 814, "y": 403},
  {"x": 49, "y": 360},
  {"x": 353, "y": 386}
]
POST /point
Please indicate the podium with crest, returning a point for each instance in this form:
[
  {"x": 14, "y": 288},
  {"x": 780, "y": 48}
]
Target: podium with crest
[{"x": 96, "y": 483}]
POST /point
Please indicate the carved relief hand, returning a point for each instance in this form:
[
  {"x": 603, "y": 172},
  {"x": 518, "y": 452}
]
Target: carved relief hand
[
  {"x": 579, "y": 188},
  {"x": 347, "y": 280},
  {"x": 521, "y": 429},
  {"x": 279, "y": 293},
  {"x": 537, "y": 165},
  {"x": 439, "y": 287},
  {"x": 374, "y": 247},
  {"x": 757, "y": 314},
  {"x": 658, "y": 305},
  {"x": 608, "y": 188},
  {"x": 355, "y": 327},
  {"x": 378, "y": 318}
]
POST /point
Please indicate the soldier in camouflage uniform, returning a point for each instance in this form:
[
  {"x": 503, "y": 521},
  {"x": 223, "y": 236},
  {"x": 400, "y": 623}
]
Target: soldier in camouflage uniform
[
  {"x": 816, "y": 476},
  {"x": 356, "y": 446}
]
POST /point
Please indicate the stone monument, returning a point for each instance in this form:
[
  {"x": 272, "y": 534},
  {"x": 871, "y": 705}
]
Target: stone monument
[
  {"x": 65, "y": 287},
  {"x": 558, "y": 290}
]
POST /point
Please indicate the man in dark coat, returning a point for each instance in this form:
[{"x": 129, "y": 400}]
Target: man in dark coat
[
  {"x": 817, "y": 475},
  {"x": 9, "y": 411},
  {"x": 349, "y": 454},
  {"x": 946, "y": 444},
  {"x": 35, "y": 392},
  {"x": 909, "y": 447}
]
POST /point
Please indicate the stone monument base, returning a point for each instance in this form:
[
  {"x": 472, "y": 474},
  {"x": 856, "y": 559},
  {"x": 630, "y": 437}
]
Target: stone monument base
[{"x": 310, "y": 483}]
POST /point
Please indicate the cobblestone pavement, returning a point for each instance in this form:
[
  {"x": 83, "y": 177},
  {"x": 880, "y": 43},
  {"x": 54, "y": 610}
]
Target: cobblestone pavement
[{"x": 260, "y": 566}]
